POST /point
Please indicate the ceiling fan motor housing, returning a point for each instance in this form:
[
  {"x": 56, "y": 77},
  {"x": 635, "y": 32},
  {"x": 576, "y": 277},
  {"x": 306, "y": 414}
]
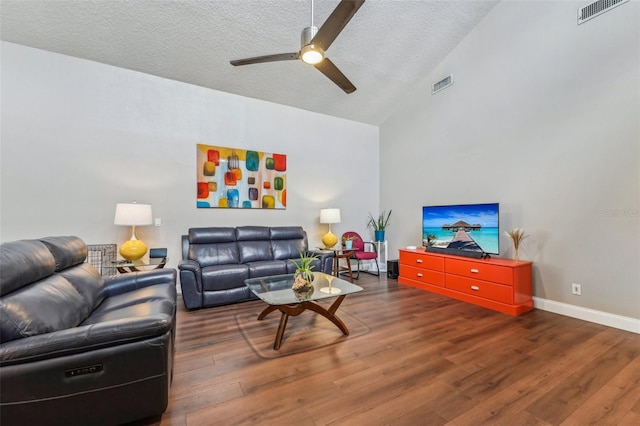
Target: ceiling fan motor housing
[{"x": 307, "y": 35}]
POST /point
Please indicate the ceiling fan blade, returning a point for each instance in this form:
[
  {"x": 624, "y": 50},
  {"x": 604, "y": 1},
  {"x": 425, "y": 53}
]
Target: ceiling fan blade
[
  {"x": 332, "y": 72},
  {"x": 336, "y": 22},
  {"x": 266, "y": 58}
]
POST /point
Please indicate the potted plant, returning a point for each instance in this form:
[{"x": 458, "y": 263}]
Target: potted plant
[
  {"x": 303, "y": 276},
  {"x": 380, "y": 224},
  {"x": 348, "y": 241}
]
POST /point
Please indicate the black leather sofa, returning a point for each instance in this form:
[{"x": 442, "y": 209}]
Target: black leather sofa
[
  {"x": 77, "y": 348},
  {"x": 216, "y": 261}
]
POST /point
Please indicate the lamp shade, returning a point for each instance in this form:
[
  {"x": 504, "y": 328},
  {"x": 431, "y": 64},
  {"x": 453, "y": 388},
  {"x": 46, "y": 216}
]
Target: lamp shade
[
  {"x": 330, "y": 215},
  {"x": 133, "y": 214}
]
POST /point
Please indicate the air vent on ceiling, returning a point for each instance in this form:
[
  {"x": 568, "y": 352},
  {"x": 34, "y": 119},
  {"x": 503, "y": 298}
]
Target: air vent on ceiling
[
  {"x": 597, "y": 8},
  {"x": 442, "y": 84}
]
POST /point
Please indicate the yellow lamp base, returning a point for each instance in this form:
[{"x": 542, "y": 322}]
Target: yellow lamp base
[
  {"x": 133, "y": 249},
  {"x": 329, "y": 240}
]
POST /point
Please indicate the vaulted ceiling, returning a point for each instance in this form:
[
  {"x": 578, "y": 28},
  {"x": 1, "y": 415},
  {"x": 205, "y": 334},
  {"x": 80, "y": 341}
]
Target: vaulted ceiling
[{"x": 387, "y": 48}]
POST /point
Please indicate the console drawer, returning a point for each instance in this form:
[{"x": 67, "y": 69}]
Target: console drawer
[
  {"x": 497, "y": 292},
  {"x": 425, "y": 276},
  {"x": 480, "y": 271},
  {"x": 422, "y": 261}
]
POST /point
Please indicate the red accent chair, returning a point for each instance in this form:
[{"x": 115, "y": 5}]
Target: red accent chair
[{"x": 361, "y": 253}]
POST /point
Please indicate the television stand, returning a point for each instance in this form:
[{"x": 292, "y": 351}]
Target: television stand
[{"x": 503, "y": 285}]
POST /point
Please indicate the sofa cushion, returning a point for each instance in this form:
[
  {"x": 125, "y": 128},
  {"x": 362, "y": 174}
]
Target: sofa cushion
[
  {"x": 24, "y": 262},
  {"x": 254, "y": 251},
  {"x": 153, "y": 300},
  {"x": 253, "y": 243},
  {"x": 155, "y": 308},
  {"x": 287, "y": 242},
  {"x": 224, "y": 297},
  {"x": 88, "y": 283},
  {"x": 215, "y": 254},
  {"x": 213, "y": 246},
  {"x": 222, "y": 277},
  {"x": 212, "y": 235},
  {"x": 266, "y": 268},
  {"x": 67, "y": 251},
  {"x": 287, "y": 233},
  {"x": 85, "y": 337},
  {"x": 253, "y": 233},
  {"x": 48, "y": 305}
]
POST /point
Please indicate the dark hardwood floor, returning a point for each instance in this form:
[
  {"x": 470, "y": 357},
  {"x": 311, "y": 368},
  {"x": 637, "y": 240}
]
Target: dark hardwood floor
[{"x": 412, "y": 358}]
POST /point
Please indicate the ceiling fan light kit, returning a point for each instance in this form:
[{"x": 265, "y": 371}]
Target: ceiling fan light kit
[
  {"x": 310, "y": 53},
  {"x": 315, "y": 42}
]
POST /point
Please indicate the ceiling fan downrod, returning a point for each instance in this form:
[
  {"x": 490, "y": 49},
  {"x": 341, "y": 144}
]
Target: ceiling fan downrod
[{"x": 309, "y": 53}]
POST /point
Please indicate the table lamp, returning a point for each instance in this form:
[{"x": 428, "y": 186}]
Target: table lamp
[
  {"x": 133, "y": 214},
  {"x": 329, "y": 216}
]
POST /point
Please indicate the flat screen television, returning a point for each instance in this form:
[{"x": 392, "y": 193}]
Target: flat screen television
[{"x": 465, "y": 227}]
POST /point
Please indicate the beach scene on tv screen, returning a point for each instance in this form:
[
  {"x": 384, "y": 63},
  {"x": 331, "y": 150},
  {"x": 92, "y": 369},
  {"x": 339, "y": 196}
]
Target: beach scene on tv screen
[{"x": 472, "y": 227}]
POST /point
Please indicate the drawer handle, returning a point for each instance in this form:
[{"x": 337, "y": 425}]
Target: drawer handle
[
  {"x": 475, "y": 271},
  {"x": 475, "y": 288},
  {"x": 419, "y": 261},
  {"x": 419, "y": 274}
]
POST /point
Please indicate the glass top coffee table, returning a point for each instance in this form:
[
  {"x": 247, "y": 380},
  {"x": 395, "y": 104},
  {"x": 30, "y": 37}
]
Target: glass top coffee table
[{"x": 277, "y": 293}]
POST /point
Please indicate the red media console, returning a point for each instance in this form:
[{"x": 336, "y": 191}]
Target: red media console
[{"x": 500, "y": 284}]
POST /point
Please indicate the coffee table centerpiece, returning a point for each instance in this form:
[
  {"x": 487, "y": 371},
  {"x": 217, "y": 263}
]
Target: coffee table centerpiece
[
  {"x": 303, "y": 277},
  {"x": 278, "y": 293}
]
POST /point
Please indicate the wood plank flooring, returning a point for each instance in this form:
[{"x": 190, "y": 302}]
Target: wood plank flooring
[{"x": 412, "y": 358}]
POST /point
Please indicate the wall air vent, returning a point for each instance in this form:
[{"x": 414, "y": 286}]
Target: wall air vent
[
  {"x": 597, "y": 8},
  {"x": 442, "y": 84}
]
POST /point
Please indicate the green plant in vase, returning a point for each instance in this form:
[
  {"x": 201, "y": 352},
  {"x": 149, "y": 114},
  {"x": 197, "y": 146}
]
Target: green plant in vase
[
  {"x": 303, "y": 276},
  {"x": 379, "y": 224}
]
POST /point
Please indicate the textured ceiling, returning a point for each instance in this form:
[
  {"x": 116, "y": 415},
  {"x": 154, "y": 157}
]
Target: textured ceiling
[{"x": 388, "y": 47}]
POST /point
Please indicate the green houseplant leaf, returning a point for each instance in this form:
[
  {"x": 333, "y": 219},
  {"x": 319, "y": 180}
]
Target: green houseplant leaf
[
  {"x": 379, "y": 224},
  {"x": 305, "y": 265}
]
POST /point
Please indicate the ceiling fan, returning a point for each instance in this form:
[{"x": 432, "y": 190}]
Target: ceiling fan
[{"x": 315, "y": 43}]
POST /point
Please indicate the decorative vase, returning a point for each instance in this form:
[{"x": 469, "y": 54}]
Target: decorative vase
[
  {"x": 516, "y": 253},
  {"x": 348, "y": 244},
  {"x": 379, "y": 235},
  {"x": 304, "y": 293},
  {"x": 300, "y": 282}
]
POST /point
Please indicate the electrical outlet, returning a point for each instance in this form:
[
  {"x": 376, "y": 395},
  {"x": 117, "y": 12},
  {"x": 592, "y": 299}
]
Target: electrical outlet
[
  {"x": 158, "y": 221},
  {"x": 576, "y": 289}
]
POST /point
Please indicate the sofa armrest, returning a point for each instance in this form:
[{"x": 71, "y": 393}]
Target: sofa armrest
[
  {"x": 191, "y": 283},
  {"x": 84, "y": 338},
  {"x": 326, "y": 259},
  {"x": 193, "y": 267},
  {"x": 135, "y": 280}
]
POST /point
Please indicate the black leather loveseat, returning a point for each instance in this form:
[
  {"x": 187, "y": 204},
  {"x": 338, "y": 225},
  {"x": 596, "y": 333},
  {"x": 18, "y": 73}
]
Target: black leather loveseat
[
  {"x": 77, "y": 349},
  {"x": 216, "y": 261}
]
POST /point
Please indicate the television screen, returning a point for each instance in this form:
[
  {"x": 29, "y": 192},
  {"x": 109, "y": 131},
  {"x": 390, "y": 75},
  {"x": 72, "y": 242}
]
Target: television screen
[{"x": 471, "y": 227}]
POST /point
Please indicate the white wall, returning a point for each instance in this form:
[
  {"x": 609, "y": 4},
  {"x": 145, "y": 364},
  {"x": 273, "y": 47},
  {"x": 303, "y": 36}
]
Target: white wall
[
  {"x": 543, "y": 117},
  {"x": 79, "y": 137}
]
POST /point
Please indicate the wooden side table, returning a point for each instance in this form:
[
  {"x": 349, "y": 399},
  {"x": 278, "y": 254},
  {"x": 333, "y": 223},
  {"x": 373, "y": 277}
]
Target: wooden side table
[{"x": 341, "y": 253}]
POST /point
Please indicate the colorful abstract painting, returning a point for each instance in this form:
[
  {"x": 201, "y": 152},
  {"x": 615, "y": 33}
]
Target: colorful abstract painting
[{"x": 240, "y": 178}]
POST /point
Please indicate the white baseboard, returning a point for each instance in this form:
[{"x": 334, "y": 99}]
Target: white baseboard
[{"x": 591, "y": 315}]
